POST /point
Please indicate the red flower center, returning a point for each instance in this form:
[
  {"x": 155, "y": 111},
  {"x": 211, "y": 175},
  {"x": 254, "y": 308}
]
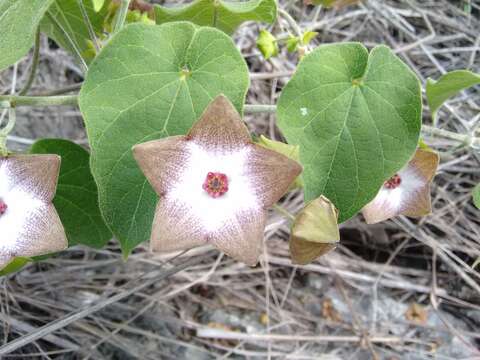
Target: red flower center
[
  {"x": 216, "y": 184},
  {"x": 3, "y": 207},
  {"x": 393, "y": 182}
]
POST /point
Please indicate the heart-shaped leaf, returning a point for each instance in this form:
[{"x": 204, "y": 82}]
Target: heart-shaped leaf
[
  {"x": 447, "y": 86},
  {"x": 18, "y": 23},
  {"x": 357, "y": 119},
  {"x": 314, "y": 232},
  {"x": 150, "y": 82},
  {"x": 65, "y": 24},
  {"x": 76, "y": 199},
  {"x": 224, "y": 15}
]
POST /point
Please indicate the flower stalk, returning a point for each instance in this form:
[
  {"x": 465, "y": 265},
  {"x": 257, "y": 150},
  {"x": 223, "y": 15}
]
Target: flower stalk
[{"x": 6, "y": 130}]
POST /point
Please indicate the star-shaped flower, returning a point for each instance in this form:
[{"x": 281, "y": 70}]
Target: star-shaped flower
[
  {"x": 214, "y": 185},
  {"x": 29, "y": 223},
  {"x": 407, "y": 192}
]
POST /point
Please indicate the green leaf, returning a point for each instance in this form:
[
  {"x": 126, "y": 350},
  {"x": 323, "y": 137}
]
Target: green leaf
[
  {"x": 447, "y": 86},
  {"x": 267, "y": 44},
  {"x": 314, "y": 232},
  {"x": 76, "y": 199},
  {"x": 357, "y": 120},
  {"x": 19, "y": 20},
  {"x": 68, "y": 18},
  {"x": 224, "y": 15},
  {"x": 150, "y": 82},
  {"x": 476, "y": 196}
]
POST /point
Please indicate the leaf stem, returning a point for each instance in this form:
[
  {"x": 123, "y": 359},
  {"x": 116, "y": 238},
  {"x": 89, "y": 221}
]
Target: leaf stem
[
  {"x": 33, "y": 66},
  {"x": 89, "y": 25},
  {"x": 121, "y": 15}
]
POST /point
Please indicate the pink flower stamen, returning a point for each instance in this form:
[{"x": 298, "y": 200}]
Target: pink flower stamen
[
  {"x": 216, "y": 184},
  {"x": 393, "y": 182},
  {"x": 3, "y": 207}
]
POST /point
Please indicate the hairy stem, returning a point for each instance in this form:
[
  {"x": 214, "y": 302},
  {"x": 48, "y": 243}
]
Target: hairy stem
[
  {"x": 11, "y": 101},
  {"x": 7, "y": 101},
  {"x": 33, "y": 66},
  {"x": 291, "y": 22},
  {"x": 121, "y": 15},
  {"x": 426, "y": 129}
]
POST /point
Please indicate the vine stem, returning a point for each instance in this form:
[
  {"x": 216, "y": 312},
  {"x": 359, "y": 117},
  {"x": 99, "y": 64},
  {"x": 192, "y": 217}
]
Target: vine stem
[
  {"x": 33, "y": 66},
  {"x": 8, "y": 101},
  {"x": 291, "y": 22},
  {"x": 12, "y": 101},
  {"x": 427, "y": 129},
  {"x": 121, "y": 15}
]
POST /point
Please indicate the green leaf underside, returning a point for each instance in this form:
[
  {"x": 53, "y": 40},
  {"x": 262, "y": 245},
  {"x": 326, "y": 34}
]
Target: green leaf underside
[
  {"x": 76, "y": 199},
  {"x": 67, "y": 14},
  {"x": 224, "y": 15},
  {"x": 447, "y": 86},
  {"x": 150, "y": 82},
  {"x": 476, "y": 196},
  {"x": 18, "y": 23},
  {"x": 357, "y": 119}
]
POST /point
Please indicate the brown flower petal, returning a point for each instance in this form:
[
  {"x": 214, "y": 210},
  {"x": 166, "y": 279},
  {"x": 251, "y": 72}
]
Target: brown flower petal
[
  {"x": 412, "y": 197},
  {"x": 426, "y": 163},
  {"x": 30, "y": 218},
  {"x": 175, "y": 228},
  {"x": 271, "y": 173},
  {"x": 242, "y": 238},
  {"x": 162, "y": 161},
  {"x": 45, "y": 234},
  {"x": 35, "y": 173},
  {"x": 220, "y": 126}
]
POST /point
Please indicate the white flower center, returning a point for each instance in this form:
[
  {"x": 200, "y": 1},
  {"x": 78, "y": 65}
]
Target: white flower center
[
  {"x": 399, "y": 188},
  {"x": 213, "y": 213}
]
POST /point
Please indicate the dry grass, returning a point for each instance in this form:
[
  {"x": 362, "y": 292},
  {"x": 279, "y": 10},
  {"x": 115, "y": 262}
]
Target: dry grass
[{"x": 355, "y": 303}]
